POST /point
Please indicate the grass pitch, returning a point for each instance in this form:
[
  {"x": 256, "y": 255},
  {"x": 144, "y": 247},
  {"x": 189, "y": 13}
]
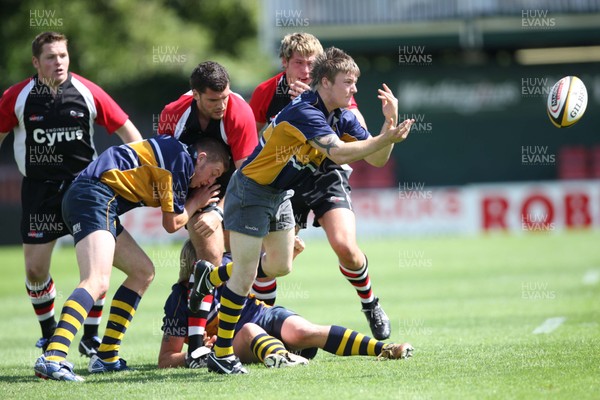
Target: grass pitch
[{"x": 477, "y": 310}]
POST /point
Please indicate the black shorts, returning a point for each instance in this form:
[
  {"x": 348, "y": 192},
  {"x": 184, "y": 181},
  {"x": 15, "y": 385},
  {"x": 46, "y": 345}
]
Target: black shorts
[
  {"x": 41, "y": 218},
  {"x": 326, "y": 190}
]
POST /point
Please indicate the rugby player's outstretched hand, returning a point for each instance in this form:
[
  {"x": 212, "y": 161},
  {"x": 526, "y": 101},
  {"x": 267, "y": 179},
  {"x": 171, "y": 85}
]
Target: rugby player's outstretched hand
[{"x": 398, "y": 133}]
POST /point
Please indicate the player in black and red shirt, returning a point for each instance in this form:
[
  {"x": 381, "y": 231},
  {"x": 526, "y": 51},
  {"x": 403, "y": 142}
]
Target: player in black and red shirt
[
  {"x": 327, "y": 192},
  {"x": 211, "y": 109},
  {"x": 52, "y": 115}
]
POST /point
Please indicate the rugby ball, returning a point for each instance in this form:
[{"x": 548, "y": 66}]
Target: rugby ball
[{"x": 567, "y": 101}]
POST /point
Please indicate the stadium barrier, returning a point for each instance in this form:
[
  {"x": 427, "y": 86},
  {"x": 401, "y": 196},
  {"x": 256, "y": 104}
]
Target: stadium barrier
[{"x": 516, "y": 208}]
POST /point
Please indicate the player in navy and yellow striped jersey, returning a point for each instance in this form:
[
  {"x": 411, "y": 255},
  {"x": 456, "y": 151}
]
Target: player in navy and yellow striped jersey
[
  {"x": 326, "y": 193},
  {"x": 263, "y": 333},
  {"x": 158, "y": 172},
  {"x": 257, "y": 208}
]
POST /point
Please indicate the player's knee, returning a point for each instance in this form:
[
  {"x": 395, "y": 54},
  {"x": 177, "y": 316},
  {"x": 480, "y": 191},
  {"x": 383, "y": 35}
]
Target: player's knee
[
  {"x": 305, "y": 332},
  {"x": 102, "y": 285},
  {"x": 210, "y": 249},
  {"x": 213, "y": 254},
  {"x": 35, "y": 272},
  {"x": 278, "y": 269},
  {"x": 144, "y": 273},
  {"x": 148, "y": 273},
  {"x": 349, "y": 255}
]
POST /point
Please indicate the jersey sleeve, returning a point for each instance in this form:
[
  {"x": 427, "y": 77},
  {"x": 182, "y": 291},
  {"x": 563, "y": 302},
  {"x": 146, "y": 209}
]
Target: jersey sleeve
[
  {"x": 261, "y": 98},
  {"x": 349, "y": 125},
  {"x": 182, "y": 172},
  {"x": 8, "y": 118},
  {"x": 240, "y": 128},
  {"x": 108, "y": 112},
  {"x": 308, "y": 121},
  {"x": 172, "y": 114}
]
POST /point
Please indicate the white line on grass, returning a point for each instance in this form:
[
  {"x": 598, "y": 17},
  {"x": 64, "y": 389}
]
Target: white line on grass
[
  {"x": 549, "y": 325},
  {"x": 591, "y": 277}
]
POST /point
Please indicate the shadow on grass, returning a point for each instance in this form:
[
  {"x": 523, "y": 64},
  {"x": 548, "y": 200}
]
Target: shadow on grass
[
  {"x": 151, "y": 373},
  {"x": 18, "y": 378}
]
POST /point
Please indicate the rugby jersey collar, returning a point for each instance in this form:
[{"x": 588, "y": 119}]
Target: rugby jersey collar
[{"x": 316, "y": 101}]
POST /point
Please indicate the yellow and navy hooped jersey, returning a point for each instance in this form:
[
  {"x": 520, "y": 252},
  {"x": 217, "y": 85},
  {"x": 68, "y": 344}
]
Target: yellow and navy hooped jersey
[
  {"x": 154, "y": 172},
  {"x": 284, "y": 156}
]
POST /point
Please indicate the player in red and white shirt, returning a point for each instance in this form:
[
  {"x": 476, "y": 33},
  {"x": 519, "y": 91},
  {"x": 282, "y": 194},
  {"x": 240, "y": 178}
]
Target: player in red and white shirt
[
  {"x": 52, "y": 115},
  {"x": 211, "y": 109}
]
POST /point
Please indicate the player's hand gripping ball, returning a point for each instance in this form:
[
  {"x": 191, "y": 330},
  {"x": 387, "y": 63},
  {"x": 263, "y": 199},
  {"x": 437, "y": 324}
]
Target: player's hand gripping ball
[{"x": 567, "y": 101}]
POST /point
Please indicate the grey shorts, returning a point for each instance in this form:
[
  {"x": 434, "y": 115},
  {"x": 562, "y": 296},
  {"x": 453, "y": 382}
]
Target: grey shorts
[{"x": 256, "y": 210}]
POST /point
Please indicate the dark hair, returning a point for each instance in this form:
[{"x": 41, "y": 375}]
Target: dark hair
[
  {"x": 211, "y": 75},
  {"x": 331, "y": 62},
  {"x": 44, "y": 38},
  {"x": 214, "y": 149}
]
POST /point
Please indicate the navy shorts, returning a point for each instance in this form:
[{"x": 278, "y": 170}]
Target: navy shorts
[
  {"x": 41, "y": 219},
  {"x": 272, "y": 319},
  {"x": 255, "y": 209},
  {"x": 327, "y": 189},
  {"x": 90, "y": 206}
]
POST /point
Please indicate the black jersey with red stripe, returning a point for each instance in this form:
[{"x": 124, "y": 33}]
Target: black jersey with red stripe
[
  {"x": 269, "y": 98},
  {"x": 236, "y": 129},
  {"x": 54, "y": 131}
]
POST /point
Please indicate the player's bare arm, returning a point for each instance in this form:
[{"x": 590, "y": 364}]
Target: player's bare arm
[
  {"x": 343, "y": 153},
  {"x": 199, "y": 198},
  {"x": 129, "y": 133},
  {"x": 326, "y": 143}
]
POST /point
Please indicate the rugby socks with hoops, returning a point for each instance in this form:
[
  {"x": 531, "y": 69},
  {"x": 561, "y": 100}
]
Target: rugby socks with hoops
[
  {"x": 42, "y": 298},
  {"x": 361, "y": 282},
  {"x": 74, "y": 312},
  {"x": 122, "y": 310},
  {"x": 346, "y": 342},
  {"x": 263, "y": 344},
  {"x": 265, "y": 289},
  {"x": 229, "y": 315},
  {"x": 197, "y": 324},
  {"x": 220, "y": 274}
]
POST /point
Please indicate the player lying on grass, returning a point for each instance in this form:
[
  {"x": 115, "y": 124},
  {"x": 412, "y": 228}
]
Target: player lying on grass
[
  {"x": 267, "y": 334},
  {"x": 158, "y": 172}
]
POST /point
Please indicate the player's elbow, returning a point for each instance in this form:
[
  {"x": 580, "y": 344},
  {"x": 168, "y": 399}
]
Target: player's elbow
[
  {"x": 170, "y": 227},
  {"x": 341, "y": 157}
]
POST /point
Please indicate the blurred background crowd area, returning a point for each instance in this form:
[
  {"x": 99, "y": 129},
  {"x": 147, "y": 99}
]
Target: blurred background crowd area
[{"x": 474, "y": 74}]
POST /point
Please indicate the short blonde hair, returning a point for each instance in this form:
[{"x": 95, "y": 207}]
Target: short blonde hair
[
  {"x": 304, "y": 44},
  {"x": 187, "y": 258}
]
